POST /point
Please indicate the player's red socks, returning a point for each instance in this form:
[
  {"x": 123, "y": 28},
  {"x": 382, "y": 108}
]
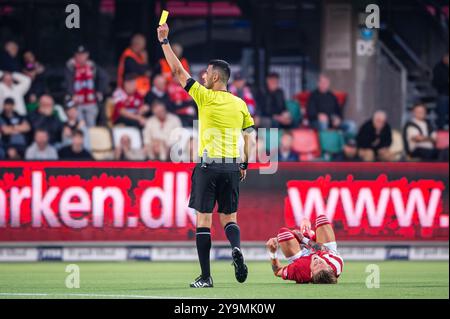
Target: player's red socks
[
  {"x": 321, "y": 220},
  {"x": 284, "y": 234}
]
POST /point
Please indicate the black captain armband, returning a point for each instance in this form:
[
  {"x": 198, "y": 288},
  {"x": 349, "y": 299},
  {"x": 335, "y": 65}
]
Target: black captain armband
[
  {"x": 249, "y": 129},
  {"x": 189, "y": 83},
  {"x": 243, "y": 166}
]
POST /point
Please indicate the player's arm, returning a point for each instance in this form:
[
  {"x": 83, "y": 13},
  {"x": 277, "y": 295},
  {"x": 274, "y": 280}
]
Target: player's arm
[
  {"x": 272, "y": 247},
  {"x": 308, "y": 242},
  {"x": 174, "y": 63},
  {"x": 249, "y": 135},
  {"x": 276, "y": 267}
]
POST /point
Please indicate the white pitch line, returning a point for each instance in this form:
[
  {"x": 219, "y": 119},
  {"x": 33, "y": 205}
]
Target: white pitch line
[{"x": 17, "y": 294}]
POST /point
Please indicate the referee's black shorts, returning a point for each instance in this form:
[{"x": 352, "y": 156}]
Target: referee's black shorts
[{"x": 218, "y": 182}]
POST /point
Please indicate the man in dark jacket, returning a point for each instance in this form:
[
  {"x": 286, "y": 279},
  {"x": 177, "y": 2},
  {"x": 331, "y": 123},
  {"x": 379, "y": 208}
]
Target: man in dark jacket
[
  {"x": 323, "y": 109},
  {"x": 9, "y": 60},
  {"x": 159, "y": 92},
  {"x": 43, "y": 118},
  {"x": 273, "y": 111},
  {"x": 75, "y": 151},
  {"x": 374, "y": 139},
  {"x": 440, "y": 83}
]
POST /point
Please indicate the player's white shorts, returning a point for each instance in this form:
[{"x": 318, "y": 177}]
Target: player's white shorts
[{"x": 332, "y": 246}]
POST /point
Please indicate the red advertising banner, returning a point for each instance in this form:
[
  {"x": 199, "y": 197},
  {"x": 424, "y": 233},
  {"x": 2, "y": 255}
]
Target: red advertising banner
[{"x": 147, "y": 201}]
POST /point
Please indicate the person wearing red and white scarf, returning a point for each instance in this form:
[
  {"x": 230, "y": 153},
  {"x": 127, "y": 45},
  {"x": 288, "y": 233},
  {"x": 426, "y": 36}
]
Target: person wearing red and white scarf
[
  {"x": 82, "y": 75},
  {"x": 129, "y": 106},
  {"x": 239, "y": 88}
]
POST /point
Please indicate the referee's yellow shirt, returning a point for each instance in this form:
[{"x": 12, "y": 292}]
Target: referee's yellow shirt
[{"x": 222, "y": 117}]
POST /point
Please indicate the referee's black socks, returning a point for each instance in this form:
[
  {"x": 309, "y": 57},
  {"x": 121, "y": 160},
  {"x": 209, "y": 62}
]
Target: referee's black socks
[
  {"x": 233, "y": 234},
  {"x": 203, "y": 241}
]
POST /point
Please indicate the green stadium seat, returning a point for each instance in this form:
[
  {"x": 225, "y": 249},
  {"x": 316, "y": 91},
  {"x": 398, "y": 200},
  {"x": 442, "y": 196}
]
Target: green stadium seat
[
  {"x": 331, "y": 142},
  {"x": 295, "y": 111}
]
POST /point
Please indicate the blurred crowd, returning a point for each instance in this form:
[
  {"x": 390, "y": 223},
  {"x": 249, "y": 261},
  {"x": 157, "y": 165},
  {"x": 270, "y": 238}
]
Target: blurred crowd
[{"x": 148, "y": 112}]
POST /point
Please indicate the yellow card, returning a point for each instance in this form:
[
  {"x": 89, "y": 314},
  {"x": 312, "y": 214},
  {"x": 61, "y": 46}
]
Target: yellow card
[{"x": 164, "y": 15}]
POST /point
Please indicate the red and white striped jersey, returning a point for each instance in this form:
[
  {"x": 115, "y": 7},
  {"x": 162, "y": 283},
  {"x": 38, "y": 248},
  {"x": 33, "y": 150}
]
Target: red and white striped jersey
[{"x": 300, "y": 270}]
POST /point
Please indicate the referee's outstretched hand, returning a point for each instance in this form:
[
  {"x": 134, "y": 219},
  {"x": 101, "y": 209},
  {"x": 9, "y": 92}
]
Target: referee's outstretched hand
[
  {"x": 243, "y": 174},
  {"x": 163, "y": 32}
]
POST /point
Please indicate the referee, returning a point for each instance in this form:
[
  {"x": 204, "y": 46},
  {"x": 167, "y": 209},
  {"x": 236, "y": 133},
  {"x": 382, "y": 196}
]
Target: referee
[{"x": 222, "y": 119}]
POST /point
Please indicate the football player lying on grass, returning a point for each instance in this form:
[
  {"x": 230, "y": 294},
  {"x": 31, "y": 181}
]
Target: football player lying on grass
[{"x": 312, "y": 256}]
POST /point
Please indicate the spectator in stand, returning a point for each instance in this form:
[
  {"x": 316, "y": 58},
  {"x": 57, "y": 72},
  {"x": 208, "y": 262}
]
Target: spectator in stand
[
  {"x": 14, "y": 154},
  {"x": 440, "y": 83},
  {"x": 72, "y": 124},
  {"x": 349, "y": 152},
  {"x": 86, "y": 83},
  {"x": 124, "y": 152},
  {"x": 160, "y": 132},
  {"x": 374, "y": 139},
  {"x": 323, "y": 109},
  {"x": 75, "y": 151},
  {"x": 419, "y": 135},
  {"x": 129, "y": 108},
  {"x": 159, "y": 92},
  {"x": 240, "y": 88},
  {"x": 2, "y": 149},
  {"x": 34, "y": 70},
  {"x": 44, "y": 118},
  {"x": 14, "y": 85},
  {"x": 181, "y": 104},
  {"x": 285, "y": 153},
  {"x": 163, "y": 67},
  {"x": 134, "y": 60},
  {"x": 14, "y": 127},
  {"x": 273, "y": 111},
  {"x": 41, "y": 149},
  {"x": 9, "y": 57}
]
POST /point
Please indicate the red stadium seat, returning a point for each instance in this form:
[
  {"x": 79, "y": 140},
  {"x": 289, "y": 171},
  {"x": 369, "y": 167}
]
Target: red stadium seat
[
  {"x": 442, "y": 140},
  {"x": 306, "y": 143},
  {"x": 302, "y": 98},
  {"x": 341, "y": 97}
]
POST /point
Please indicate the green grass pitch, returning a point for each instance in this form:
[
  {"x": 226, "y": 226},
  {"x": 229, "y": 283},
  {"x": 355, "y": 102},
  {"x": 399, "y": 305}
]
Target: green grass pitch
[{"x": 398, "y": 279}]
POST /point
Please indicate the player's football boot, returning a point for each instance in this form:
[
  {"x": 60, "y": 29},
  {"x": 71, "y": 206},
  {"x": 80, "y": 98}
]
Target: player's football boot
[
  {"x": 240, "y": 269},
  {"x": 199, "y": 282}
]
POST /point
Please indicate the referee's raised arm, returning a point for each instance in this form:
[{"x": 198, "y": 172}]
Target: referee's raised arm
[{"x": 174, "y": 63}]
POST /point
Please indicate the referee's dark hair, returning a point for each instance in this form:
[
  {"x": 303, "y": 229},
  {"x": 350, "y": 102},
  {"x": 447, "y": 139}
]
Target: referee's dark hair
[{"x": 223, "y": 67}]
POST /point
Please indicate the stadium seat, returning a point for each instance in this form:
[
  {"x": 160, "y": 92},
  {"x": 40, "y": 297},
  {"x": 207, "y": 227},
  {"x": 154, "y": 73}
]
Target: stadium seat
[
  {"x": 341, "y": 97},
  {"x": 100, "y": 143},
  {"x": 302, "y": 99},
  {"x": 442, "y": 140},
  {"x": 266, "y": 136},
  {"x": 331, "y": 142},
  {"x": 132, "y": 132},
  {"x": 295, "y": 111},
  {"x": 397, "y": 147},
  {"x": 306, "y": 143}
]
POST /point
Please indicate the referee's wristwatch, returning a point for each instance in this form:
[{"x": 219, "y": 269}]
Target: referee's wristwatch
[{"x": 164, "y": 41}]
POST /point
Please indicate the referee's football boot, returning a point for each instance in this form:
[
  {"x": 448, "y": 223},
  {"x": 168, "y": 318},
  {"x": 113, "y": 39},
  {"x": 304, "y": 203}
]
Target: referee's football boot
[
  {"x": 240, "y": 269},
  {"x": 199, "y": 282}
]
